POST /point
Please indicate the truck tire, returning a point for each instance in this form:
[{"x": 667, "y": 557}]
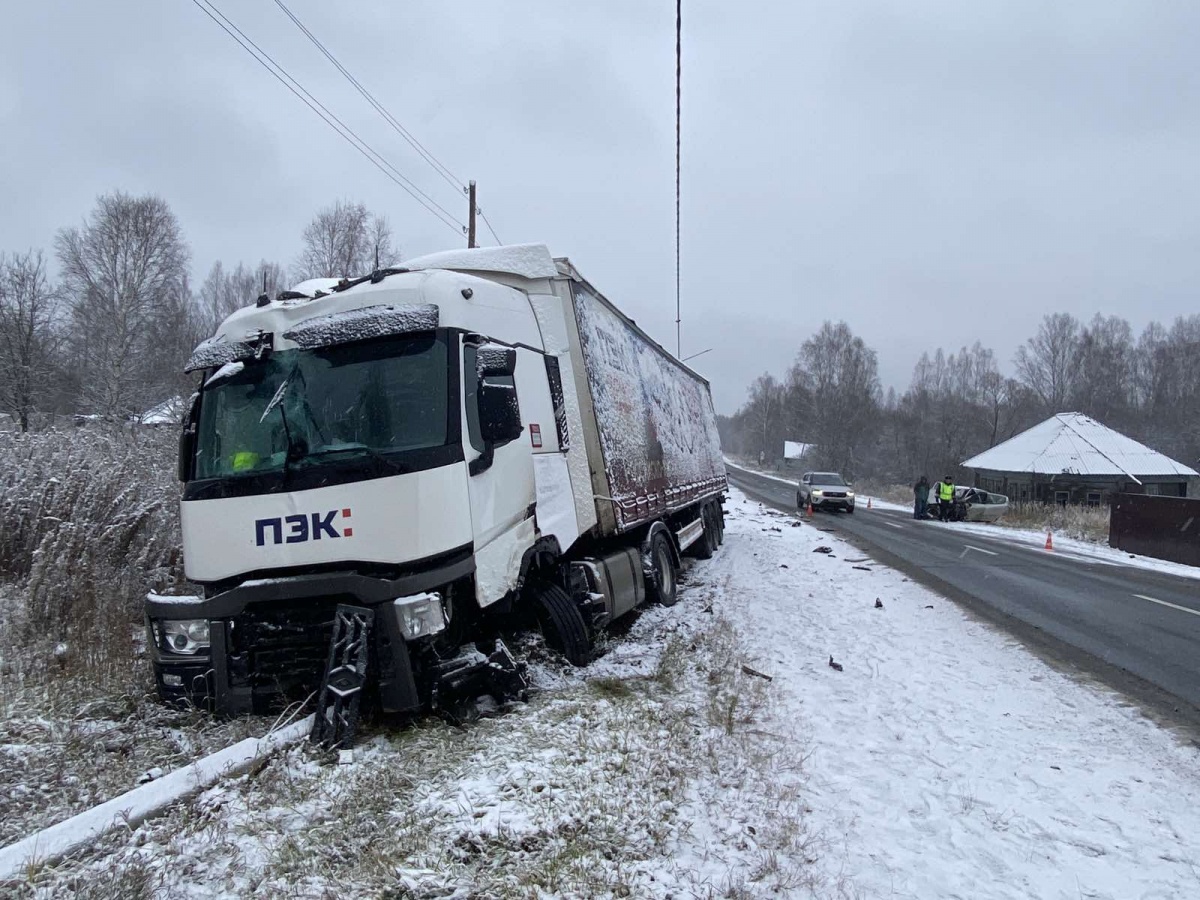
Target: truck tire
[
  {"x": 665, "y": 586},
  {"x": 719, "y": 521},
  {"x": 706, "y": 544},
  {"x": 562, "y": 623}
]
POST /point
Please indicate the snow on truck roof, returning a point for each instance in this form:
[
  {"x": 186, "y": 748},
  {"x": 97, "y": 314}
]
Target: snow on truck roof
[
  {"x": 1072, "y": 443},
  {"x": 523, "y": 260}
]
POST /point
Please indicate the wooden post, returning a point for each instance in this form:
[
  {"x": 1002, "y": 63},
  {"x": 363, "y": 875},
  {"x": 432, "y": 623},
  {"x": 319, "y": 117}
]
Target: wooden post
[{"x": 471, "y": 219}]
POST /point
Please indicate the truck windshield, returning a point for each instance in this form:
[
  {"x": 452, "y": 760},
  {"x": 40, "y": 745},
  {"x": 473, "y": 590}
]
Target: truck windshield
[{"x": 302, "y": 407}]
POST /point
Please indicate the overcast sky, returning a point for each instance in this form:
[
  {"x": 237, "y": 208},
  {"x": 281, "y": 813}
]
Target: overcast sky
[{"x": 931, "y": 172}]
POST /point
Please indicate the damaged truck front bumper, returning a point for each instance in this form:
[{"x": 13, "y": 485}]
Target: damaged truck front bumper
[{"x": 246, "y": 649}]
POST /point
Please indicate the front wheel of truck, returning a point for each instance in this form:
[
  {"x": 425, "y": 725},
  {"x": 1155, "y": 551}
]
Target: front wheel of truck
[{"x": 562, "y": 623}]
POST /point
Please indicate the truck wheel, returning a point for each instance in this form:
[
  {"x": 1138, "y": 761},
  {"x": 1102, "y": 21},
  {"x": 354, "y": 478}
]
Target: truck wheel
[
  {"x": 719, "y": 521},
  {"x": 664, "y": 588},
  {"x": 562, "y": 623},
  {"x": 707, "y": 542}
]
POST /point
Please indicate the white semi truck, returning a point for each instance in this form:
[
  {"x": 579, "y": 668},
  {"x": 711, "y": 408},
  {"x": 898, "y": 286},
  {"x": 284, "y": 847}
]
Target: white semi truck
[{"x": 472, "y": 439}]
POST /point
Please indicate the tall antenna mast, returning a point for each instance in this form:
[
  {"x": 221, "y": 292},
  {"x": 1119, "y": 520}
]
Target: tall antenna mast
[{"x": 678, "y": 94}]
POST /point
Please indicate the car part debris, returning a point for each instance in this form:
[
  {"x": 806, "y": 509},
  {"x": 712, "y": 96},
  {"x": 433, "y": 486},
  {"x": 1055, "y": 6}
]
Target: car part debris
[{"x": 345, "y": 677}]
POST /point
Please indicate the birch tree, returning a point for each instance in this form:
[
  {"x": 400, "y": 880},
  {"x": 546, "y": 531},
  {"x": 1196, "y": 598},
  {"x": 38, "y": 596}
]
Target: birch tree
[
  {"x": 342, "y": 241},
  {"x": 124, "y": 275}
]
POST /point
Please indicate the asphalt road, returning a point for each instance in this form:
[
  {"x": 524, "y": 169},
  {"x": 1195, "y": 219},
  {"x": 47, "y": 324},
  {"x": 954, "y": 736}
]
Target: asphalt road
[{"x": 1138, "y": 630}]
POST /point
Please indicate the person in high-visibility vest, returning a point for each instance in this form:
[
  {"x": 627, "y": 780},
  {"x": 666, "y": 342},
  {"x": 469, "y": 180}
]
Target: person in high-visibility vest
[{"x": 945, "y": 496}]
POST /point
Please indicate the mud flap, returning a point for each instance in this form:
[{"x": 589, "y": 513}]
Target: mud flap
[
  {"x": 473, "y": 673},
  {"x": 345, "y": 677}
]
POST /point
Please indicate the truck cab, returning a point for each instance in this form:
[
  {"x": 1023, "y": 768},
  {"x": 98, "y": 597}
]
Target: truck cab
[{"x": 410, "y": 442}]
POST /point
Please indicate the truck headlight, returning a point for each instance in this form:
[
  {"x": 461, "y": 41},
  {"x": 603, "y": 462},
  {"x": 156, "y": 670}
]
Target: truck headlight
[
  {"x": 185, "y": 636},
  {"x": 419, "y": 615}
]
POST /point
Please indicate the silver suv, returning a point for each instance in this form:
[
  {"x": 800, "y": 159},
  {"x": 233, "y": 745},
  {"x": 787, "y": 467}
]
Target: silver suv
[{"x": 825, "y": 490}]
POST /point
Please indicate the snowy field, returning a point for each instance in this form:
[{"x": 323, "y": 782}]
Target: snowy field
[{"x": 943, "y": 760}]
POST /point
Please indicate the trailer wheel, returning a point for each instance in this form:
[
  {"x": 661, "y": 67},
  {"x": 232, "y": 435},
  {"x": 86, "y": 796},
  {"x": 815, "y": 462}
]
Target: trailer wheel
[
  {"x": 665, "y": 587},
  {"x": 562, "y": 623},
  {"x": 719, "y": 518},
  {"x": 705, "y": 544}
]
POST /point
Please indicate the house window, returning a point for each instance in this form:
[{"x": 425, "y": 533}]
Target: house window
[
  {"x": 1062, "y": 497},
  {"x": 1093, "y": 499},
  {"x": 1151, "y": 490}
]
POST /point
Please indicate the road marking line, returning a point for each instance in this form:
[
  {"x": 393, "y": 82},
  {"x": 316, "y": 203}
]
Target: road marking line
[
  {"x": 981, "y": 550},
  {"x": 893, "y": 524},
  {"x": 1194, "y": 612}
]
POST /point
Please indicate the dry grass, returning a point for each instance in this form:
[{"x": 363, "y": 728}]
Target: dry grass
[
  {"x": 89, "y": 522},
  {"x": 1080, "y": 522},
  {"x": 584, "y": 792}
]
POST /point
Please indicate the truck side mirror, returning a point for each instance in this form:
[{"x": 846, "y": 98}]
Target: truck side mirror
[
  {"x": 499, "y": 411},
  {"x": 495, "y": 360},
  {"x": 187, "y": 446},
  {"x": 187, "y": 439}
]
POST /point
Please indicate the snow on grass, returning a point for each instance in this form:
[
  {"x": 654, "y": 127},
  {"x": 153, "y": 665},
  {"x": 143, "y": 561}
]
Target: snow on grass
[
  {"x": 942, "y": 760},
  {"x": 646, "y": 775},
  {"x": 946, "y": 759}
]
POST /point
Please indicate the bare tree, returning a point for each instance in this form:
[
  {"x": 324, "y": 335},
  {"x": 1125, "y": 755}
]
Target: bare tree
[
  {"x": 1047, "y": 363},
  {"x": 1106, "y": 373},
  {"x": 342, "y": 241},
  {"x": 764, "y": 409},
  {"x": 28, "y": 338},
  {"x": 124, "y": 273},
  {"x": 224, "y": 292},
  {"x": 843, "y": 375}
]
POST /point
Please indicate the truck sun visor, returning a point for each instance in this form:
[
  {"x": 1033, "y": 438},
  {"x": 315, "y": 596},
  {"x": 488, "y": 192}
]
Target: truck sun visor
[
  {"x": 363, "y": 324},
  {"x": 216, "y": 351}
]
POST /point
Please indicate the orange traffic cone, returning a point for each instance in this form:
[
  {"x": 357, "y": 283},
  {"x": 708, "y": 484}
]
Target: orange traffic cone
[
  {"x": 1049, "y": 541},
  {"x": 809, "y": 510},
  {"x": 868, "y": 503}
]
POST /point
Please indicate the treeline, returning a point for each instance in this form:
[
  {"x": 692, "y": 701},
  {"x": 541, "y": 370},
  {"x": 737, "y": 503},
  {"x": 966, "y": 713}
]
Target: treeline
[
  {"x": 102, "y": 323},
  {"x": 960, "y": 403}
]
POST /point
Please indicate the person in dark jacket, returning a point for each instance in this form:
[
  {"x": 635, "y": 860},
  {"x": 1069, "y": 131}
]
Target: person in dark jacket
[{"x": 921, "y": 498}]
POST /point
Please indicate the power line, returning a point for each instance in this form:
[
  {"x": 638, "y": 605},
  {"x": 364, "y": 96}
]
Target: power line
[
  {"x": 264, "y": 59},
  {"x": 678, "y": 169},
  {"x": 489, "y": 226},
  {"x": 437, "y": 165},
  {"x": 433, "y": 161}
]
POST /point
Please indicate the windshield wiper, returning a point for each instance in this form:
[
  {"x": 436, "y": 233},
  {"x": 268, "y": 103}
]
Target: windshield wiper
[{"x": 370, "y": 452}]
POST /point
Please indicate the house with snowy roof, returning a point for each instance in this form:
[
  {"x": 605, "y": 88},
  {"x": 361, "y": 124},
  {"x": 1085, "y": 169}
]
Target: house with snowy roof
[{"x": 1071, "y": 458}]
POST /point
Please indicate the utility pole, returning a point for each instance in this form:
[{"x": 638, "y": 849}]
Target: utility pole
[{"x": 471, "y": 219}]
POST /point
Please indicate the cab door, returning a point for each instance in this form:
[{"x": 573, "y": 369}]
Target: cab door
[{"x": 500, "y": 486}]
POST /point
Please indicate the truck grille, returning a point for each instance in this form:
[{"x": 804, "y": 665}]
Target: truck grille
[{"x": 284, "y": 649}]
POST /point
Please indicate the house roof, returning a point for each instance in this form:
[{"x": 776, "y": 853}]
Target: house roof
[{"x": 1074, "y": 444}]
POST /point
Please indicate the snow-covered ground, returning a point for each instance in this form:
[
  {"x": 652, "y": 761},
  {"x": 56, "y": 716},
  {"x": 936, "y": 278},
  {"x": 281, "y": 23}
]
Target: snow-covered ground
[{"x": 943, "y": 760}]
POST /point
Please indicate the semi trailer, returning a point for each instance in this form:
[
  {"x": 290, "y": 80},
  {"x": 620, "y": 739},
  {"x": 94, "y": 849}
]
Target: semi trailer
[{"x": 447, "y": 449}]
